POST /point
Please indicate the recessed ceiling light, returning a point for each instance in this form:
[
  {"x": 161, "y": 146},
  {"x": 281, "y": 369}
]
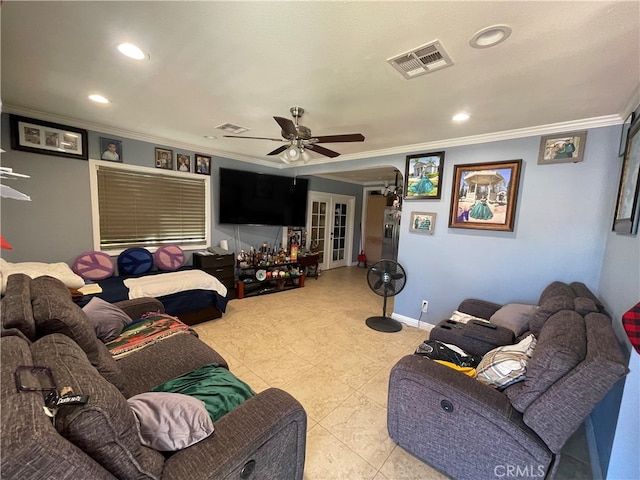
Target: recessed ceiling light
[
  {"x": 461, "y": 117},
  {"x": 131, "y": 51},
  {"x": 210, "y": 137},
  {"x": 99, "y": 99},
  {"x": 490, "y": 36}
]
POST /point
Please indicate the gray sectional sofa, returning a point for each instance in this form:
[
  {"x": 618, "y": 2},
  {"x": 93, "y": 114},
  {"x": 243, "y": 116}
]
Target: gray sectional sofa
[
  {"x": 469, "y": 430},
  {"x": 263, "y": 438}
]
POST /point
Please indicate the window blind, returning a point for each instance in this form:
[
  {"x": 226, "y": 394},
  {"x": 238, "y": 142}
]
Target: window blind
[{"x": 148, "y": 208}]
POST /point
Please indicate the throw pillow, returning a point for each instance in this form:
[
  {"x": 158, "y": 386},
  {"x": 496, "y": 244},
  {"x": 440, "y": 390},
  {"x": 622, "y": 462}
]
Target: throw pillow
[
  {"x": 506, "y": 365},
  {"x": 170, "y": 421},
  {"x": 108, "y": 320},
  {"x": 464, "y": 317},
  {"x": 514, "y": 316},
  {"x": 93, "y": 265},
  {"x": 169, "y": 258},
  {"x": 104, "y": 427},
  {"x": 561, "y": 346},
  {"x": 135, "y": 261}
]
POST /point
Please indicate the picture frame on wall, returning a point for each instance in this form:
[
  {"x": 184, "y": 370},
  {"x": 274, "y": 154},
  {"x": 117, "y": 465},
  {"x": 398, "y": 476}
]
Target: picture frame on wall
[
  {"x": 627, "y": 209},
  {"x": 48, "y": 138},
  {"x": 484, "y": 195},
  {"x": 422, "y": 222},
  {"x": 562, "y": 148},
  {"x": 423, "y": 176},
  {"x": 203, "y": 164},
  {"x": 183, "y": 163},
  {"x": 164, "y": 158},
  {"x": 624, "y": 133},
  {"x": 110, "y": 149}
]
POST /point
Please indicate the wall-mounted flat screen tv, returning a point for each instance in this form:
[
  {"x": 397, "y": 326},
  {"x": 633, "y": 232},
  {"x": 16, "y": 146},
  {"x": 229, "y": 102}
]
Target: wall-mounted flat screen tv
[{"x": 250, "y": 198}]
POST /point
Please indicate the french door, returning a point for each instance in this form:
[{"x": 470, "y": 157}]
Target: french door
[{"x": 330, "y": 227}]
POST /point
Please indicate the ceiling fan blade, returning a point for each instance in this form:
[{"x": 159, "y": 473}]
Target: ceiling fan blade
[
  {"x": 350, "y": 137},
  {"x": 255, "y": 138},
  {"x": 287, "y": 126},
  {"x": 324, "y": 151},
  {"x": 278, "y": 150}
]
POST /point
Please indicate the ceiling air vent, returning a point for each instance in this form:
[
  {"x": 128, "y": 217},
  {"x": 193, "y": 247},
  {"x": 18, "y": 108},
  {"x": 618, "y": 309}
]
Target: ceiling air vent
[
  {"x": 421, "y": 60},
  {"x": 231, "y": 128}
]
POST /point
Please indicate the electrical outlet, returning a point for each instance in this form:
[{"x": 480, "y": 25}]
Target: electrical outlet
[{"x": 425, "y": 306}]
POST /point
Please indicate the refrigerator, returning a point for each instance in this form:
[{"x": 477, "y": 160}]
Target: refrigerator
[{"x": 391, "y": 234}]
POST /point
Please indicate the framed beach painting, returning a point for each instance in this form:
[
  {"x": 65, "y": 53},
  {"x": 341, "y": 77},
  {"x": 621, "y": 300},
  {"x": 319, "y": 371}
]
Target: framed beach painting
[
  {"x": 423, "y": 176},
  {"x": 484, "y": 195}
]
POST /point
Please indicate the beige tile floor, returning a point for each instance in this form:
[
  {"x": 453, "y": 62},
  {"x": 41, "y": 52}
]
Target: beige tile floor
[{"x": 313, "y": 343}]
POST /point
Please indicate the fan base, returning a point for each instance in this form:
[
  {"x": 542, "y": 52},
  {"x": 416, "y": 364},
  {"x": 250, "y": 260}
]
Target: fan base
[{"x": 384, "y": 324}]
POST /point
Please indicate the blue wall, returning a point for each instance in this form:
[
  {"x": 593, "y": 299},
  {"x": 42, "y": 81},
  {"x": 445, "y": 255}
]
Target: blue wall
[{"x": 562, "y": 232}]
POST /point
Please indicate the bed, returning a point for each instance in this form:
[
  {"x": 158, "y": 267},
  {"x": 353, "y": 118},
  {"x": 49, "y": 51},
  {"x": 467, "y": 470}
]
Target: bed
[{"x": 191, "y": 305}]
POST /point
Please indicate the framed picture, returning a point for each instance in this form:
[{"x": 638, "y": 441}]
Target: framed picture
[
  {"x": 164, "y": 158},
  {"x": 627, "y": 208},
  {"x": 422, "y": 222},
  {"x": 203, "y": 164},
  {"x": 110, "y": 149},
  {"x": 562, "y": 148},
  {"x": 184, "y": 163},
  {"x": 38, "y": 136},
  {"x": 484, "y": 195},
  {"x": 423, "y": 176},
  {"x": 624, "y": 133}
]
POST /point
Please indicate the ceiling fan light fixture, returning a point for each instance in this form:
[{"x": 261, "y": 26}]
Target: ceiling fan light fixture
[
  {"x": 293, "y": 153},
  {"x": 305, "y": 156}
]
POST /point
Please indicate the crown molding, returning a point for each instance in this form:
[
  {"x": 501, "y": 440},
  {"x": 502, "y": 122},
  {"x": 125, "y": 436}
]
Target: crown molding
[{"x": 583, "y": 124}]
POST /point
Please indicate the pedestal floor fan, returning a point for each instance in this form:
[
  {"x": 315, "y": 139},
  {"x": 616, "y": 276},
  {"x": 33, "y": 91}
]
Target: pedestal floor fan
[{"x": 386, "y": 278}]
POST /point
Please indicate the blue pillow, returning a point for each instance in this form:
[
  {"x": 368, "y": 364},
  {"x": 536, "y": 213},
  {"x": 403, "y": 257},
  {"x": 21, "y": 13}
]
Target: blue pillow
[{"x": 135, "y": 261}]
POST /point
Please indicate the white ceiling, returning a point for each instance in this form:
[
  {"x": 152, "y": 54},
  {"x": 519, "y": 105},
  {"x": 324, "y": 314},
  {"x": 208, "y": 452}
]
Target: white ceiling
[{"x": 566, "y": 64}]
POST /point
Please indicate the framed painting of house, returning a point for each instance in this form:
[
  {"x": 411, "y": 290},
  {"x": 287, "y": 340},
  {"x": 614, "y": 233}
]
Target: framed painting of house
[
  {"x": 484, "y": 195},
  {"x": 627, "y": 214},
  {"x": 423, "y": 176}
]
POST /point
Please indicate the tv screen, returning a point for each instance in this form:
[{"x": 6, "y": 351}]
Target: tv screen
[{"x": 251, "y": 198}]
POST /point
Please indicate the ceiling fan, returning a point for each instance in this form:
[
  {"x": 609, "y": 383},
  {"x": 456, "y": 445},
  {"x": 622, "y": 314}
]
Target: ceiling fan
[{"x": 300, "y": 139}]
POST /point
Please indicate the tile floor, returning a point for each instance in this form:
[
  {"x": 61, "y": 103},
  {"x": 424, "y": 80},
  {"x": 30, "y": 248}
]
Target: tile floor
[{"x": 313, "y": 343}]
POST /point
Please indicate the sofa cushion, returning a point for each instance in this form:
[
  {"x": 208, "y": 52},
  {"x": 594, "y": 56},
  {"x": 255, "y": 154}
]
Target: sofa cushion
[
  {"x": 555, "y": 289},
  {"x": 16, "y": 306},
  {"x": 169, "y": 257},
  {"x": 584, "y": 305},
  {"x": 515, "y": 317},
  {"x": 506, "y": 365},
  {"x": 55, "y": 312},
  {"x": 170, "y": 421},
  {"x": 108, "y": 320},
  {"x": 105, "y": 427},
  {"x": 561, "y": 346},
  {"x": 556, "y": 414},
  {"x": 135, "y": 261},
  {"x": 93, "y": 265},
  {"x": 550, "y": 306}
]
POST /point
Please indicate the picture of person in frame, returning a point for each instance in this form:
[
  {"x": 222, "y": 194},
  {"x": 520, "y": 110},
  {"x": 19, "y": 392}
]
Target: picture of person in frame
[{"x": 110, "y": 150}]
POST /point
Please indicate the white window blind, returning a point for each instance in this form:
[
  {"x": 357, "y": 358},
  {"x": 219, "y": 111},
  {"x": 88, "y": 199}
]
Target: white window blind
[{"x": 142, "y": 207}]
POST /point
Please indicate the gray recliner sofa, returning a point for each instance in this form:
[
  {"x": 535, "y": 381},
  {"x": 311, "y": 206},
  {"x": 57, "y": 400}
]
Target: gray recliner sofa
[
  {"x": 469, "y": 430},
  {"x": 262, "y": 438}
]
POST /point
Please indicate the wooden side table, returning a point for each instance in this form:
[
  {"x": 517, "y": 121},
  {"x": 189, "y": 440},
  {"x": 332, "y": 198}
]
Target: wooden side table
[
  {"x": 310, "y": 264},
  {"x": 220, "y": 266}
]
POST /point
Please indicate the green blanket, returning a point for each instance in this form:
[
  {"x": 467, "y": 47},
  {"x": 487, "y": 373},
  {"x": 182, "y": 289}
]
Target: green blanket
[{"x": 218, "y": 388}]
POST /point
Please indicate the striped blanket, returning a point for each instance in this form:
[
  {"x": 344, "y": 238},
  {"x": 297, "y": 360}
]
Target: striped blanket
[{"x": 140, "y": 334}]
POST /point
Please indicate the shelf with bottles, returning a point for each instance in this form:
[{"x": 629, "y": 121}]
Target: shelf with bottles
[{"x": 262, "y": 279}]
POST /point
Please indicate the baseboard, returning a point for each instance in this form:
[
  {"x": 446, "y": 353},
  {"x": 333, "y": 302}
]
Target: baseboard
[
  {"x": 412, "y": 322},
  {"x": 596, "y": 469}
]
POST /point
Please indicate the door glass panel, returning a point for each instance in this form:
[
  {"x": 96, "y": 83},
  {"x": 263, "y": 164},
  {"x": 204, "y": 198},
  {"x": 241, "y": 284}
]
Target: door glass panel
[
  {"x": 339, "y": 231},
  {"x": 318, "y": 221}
]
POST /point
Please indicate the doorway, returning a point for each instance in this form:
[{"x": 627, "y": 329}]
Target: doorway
[{"x": 330, "y": 227}]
